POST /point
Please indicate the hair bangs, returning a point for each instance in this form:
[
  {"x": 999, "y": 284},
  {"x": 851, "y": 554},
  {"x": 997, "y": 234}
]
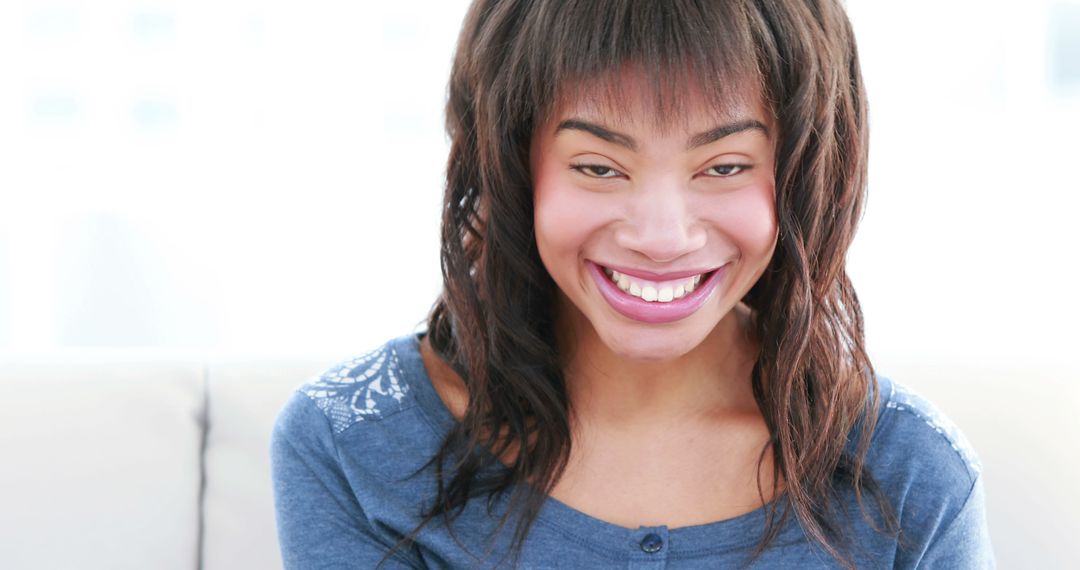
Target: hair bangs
[{"x": 683, "y": 53}]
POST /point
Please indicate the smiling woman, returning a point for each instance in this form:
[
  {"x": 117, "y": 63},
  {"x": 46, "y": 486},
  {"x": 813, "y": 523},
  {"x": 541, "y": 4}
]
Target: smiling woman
[{"x": 647, "y": 352}]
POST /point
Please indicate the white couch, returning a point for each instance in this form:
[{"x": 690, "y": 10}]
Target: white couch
[
  {"x": 144, "y": 465},
  {"x": 163, "y": 464}
]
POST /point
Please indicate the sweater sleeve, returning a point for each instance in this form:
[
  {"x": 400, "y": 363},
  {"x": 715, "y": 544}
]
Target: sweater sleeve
[
  {"x": 964, "y": 542},
  {"x": 320, "y": 523}
]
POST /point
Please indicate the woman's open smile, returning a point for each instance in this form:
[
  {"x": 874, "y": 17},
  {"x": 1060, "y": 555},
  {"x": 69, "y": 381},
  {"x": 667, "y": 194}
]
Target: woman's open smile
[{"x": 660, "y": 299}]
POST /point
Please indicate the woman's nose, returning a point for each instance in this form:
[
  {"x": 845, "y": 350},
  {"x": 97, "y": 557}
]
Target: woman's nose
[{"x": 661, "y": 225}]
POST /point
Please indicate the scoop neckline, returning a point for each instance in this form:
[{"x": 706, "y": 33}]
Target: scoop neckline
[{"x": 736, "y": 532}]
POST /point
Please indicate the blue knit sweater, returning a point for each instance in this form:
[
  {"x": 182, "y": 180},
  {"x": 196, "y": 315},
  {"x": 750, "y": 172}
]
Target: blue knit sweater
[{"x": 346, "y": 443}]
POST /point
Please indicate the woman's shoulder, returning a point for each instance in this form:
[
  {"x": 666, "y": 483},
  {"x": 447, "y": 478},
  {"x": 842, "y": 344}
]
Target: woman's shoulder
[
  {"x": 365, "y": 391},
  {"x": 929, "y": 470},
  {"x": 923, "y": 462},
  {"x": 368, "y": 387},
  {"x": 370, "y": 415},
  {"x": 913, "y": 429},
  {"x": 344, "y": 451}
]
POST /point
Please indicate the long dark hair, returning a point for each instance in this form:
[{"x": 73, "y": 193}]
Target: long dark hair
[{"x": 493, "y": 323}]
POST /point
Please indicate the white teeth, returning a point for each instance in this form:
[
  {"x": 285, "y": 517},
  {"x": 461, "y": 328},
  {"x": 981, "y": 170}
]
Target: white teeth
[{"x": 662, "y": 292}]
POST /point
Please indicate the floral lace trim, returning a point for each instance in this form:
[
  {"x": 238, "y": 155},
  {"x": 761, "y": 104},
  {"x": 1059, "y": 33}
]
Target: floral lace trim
[{"x": 366, "y": 387}]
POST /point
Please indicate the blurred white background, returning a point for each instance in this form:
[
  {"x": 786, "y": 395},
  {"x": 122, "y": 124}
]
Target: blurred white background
[{"x": 256, "y": 178}]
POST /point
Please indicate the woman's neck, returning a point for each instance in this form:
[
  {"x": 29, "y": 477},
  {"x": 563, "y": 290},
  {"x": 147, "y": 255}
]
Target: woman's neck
[{"x": 710, "y": 382}]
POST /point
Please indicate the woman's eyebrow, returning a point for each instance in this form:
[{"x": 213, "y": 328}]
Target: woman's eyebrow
[
  {"x": 598, "y": 131},
  {"x": 722, "y": 131},
  {"x": 700, "y": 139}
]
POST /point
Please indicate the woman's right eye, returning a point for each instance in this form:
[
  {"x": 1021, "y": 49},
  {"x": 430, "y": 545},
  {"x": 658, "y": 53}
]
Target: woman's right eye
[{"x": 596, "y": 170}]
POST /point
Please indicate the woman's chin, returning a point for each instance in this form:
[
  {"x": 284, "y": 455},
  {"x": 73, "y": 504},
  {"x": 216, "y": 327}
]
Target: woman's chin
[{"x": 651, "y": 346}]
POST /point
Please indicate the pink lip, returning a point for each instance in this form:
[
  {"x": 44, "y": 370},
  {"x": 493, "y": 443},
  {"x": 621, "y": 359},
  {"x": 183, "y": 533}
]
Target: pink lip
[{"x": 654, "y": 312}]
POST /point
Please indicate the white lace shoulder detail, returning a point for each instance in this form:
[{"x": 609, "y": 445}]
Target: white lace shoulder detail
[
  {"x": 366, "y": 387},
  {"x": 903, "y": 398}
]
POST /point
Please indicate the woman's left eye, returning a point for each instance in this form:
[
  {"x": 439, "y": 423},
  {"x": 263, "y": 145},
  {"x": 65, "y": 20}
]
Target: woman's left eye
[{"x": 725, "y": 170}]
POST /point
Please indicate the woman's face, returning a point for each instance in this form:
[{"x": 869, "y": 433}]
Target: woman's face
[{"x": 653, "y": 230}]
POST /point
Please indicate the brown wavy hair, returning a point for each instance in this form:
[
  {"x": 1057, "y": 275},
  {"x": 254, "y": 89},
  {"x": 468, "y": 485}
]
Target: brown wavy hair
[{"x": 493, "y": 323}]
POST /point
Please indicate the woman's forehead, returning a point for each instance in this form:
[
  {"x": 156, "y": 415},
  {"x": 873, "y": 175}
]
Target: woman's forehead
[{"x": 634, "y": 105}]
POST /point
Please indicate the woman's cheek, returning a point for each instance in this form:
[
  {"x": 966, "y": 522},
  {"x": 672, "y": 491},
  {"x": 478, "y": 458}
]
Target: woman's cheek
[
  {"x": 567, "y": 215},
  {"x": 747, "y": 218}
]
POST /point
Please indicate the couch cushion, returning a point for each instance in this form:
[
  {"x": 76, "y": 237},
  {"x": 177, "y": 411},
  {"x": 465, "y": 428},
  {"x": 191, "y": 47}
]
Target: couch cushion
[
  {"x": 100, "y": 464},
  {"x": 244, "y": 400}
]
